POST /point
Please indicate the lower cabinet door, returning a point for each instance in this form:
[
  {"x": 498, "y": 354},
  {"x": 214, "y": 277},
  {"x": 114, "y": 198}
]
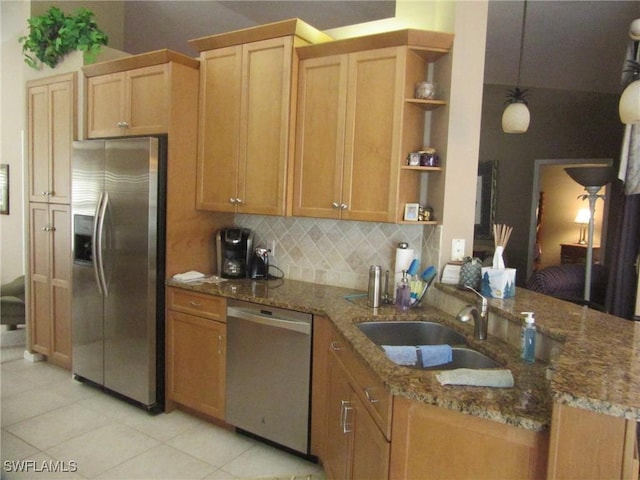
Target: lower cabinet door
[
  {"x": 340, "y": 417},
  {"x": 370, "y": 447},
  {"x": 196, "y": 363}
]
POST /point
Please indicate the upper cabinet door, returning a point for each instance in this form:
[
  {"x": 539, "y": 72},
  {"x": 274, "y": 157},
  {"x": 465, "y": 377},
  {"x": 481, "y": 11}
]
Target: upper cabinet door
[
  {"x": 374, "y": 126},
  {"x": 105, "y": 105},
  {"x": 264, "y": 119},
  {"x": 320, "y": 134},
  {"x": 51, "y": 131},
  {"x": 219, "y": 129},
  {"x": 133, "y": 102},
  {"x": 245, "y": 102}
]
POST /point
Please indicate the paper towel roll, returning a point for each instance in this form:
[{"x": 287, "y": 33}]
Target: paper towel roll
[{"x": 404, "y": 257}]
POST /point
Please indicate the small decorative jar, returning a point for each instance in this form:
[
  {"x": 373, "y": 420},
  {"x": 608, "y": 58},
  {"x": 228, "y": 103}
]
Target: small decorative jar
[{"x": 471, "y": 273}]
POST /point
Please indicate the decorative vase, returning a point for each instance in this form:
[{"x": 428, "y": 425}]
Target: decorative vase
[{"x": 471, "y": 273}]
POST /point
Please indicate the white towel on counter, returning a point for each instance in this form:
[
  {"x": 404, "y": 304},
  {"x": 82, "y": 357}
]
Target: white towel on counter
[
  {"x": 402, "y": 355},
  {"x": 189, "y": 276},
  {"x": 479, "y": 378}
]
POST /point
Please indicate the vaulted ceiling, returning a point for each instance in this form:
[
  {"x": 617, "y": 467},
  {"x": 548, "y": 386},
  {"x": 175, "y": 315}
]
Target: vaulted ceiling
[{"x": 569, "y": 45}]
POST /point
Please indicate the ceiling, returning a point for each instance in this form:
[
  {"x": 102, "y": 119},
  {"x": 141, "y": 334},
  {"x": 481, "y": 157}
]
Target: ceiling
[{"x": 569, "y": 45}]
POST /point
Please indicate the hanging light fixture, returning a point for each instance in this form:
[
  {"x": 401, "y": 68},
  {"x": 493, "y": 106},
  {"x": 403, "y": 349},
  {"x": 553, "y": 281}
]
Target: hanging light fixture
[
  {"x": 629, "y": 107},
  {"x": 516, "y": 117}
]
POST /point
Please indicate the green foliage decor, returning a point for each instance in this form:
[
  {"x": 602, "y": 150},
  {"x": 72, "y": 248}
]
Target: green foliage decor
[{"x": 54, "y": 34}]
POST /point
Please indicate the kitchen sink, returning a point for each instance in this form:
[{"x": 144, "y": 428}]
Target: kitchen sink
[
  {"x": 464, "y": 357},
  {"x": 427, "y": 333},
  {"x": 411, "y": 333}
]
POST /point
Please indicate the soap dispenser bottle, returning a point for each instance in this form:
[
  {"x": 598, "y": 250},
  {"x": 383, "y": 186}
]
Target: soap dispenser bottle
[
  {"x": 403, "y": 293},
  {"x": 528, "y": 337}
]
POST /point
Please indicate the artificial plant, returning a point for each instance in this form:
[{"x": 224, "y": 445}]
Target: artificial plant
[{"x": 55, "y": 34}]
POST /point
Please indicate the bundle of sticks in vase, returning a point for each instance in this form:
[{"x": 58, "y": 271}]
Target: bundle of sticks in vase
[{"x": 501, "y": 234}]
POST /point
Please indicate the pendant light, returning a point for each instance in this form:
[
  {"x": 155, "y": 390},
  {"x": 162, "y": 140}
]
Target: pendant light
[
  {"x": 629, "y": 106},
  {"x": 516, "y": 117}
]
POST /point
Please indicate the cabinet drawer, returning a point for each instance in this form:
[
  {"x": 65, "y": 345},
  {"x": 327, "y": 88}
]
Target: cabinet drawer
[
  {"x": 201, "y": 304},
  {"x": 375, "y": 397}
]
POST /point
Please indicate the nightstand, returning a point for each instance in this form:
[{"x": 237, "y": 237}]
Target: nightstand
[{"x": 576, "y": 253}]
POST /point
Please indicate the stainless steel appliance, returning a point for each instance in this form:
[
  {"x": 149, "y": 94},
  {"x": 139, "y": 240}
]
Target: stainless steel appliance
[
  {"x": 260, "y": 264},
  {"x": 118, "y": 208},
  {"x": 234, "y": 247},
  {"x": 268, "y": 373}
]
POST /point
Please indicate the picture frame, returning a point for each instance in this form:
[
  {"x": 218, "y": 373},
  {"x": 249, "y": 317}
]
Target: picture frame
[
  {"x": 411, "y": 212},
  {"x": 4, "y": 189}
]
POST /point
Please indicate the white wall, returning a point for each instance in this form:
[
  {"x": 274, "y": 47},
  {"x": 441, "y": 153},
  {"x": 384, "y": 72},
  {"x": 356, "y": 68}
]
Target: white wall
[{"x": 13, "y": 18}]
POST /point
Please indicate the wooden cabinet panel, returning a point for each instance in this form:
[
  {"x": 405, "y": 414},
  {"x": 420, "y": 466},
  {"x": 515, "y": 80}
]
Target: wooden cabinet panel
[
  {"x": 219, "y": 128},
  {"x": 50, "y": 276},
  {"x": 587, "y": 445},
  {"x": 245, "y": 101},
  {"x": 355, "y": 447},
  {"x": 51, "y": 131},
  {"x": 105, "y": 105},
  {"x": 196, "y": 363},
  {"x": 201, "y": 304},
  {"x": 320, "y": 133},
  {"x": 435, "y": 443},
  {"x": 134, "y": 102},
  {"x": 347, "y": 140}
]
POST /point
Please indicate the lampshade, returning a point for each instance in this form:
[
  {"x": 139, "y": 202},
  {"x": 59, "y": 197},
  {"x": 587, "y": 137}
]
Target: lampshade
[
  {"x": 515, "y": 118},
  {"x": 583, "y": 216},
  {"x": 629, "y": 106},
  {"x": 591, "y": 176}
]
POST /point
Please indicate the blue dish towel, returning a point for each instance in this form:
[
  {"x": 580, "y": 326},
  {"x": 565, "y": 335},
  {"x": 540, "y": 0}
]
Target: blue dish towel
[
  {"x": 433, "y": 355},
  {"x": 402, "y": 355}
]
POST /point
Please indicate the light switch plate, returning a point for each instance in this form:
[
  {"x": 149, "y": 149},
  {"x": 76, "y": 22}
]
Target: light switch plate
[{"x": 457, "y": 249}]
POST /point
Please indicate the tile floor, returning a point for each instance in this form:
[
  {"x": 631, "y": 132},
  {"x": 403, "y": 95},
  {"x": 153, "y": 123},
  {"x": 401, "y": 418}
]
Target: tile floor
[{"x": 51, "y": 421}]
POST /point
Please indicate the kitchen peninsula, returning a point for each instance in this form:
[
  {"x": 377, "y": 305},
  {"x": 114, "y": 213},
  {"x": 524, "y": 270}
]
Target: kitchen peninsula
[{"x": 586, "y": 413}]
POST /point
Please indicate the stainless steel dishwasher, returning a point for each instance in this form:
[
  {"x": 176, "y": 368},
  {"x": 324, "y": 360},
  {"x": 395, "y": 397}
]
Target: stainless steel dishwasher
[{"x": 268, "y": 373}]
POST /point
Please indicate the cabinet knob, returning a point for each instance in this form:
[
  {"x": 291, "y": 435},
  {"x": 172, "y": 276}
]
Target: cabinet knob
[
  {"x": 345, "y": 408},
  {"x": 48, "y": 229},
  {"x": 335, "y": 205},
  {"x": 238, "y": 200},
  {"x": 123, "y": 125},
  {"x": 335, "y": 346},
  {"x": 220, "y": 339},
  {"x": 232, "y": 200},
  {"x": 47, "y": 194},
  {"x": 343, "y": 206},
  {"x": 193, "y": 303}
]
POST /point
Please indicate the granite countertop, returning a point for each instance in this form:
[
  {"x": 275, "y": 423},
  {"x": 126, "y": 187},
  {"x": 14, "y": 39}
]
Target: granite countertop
[{"x": 598, "y": 369}]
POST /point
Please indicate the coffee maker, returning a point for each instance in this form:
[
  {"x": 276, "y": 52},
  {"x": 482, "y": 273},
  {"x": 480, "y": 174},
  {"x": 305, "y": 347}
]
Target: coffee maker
[{"x": 234, "y": 247}]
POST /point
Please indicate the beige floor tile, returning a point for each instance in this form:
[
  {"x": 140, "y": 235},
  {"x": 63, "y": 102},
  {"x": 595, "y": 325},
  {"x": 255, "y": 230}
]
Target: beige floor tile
[
  {"x": 56, "y": 426},
  {"x": 212, "y": 444},
  {"x": 13, "y": 382},
  {"x": 100, "y": 450},
  {"x": 160, "y": 462},
  {"x": 220, "y": 474},
  {"x": 39, "y": 373},
  {"x": 14, "y": 448},
  {"x": 110, "y": 406},
  {"x": 164, "y": 425},
  {"x": 30, "y": 403},
  {"x": 74, "y": 390},
  {"x": 265, "y": 461}
]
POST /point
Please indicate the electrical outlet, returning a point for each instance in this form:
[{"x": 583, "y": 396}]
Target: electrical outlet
[
  {"x": 457, "y": 249},
  {"x": 271, "y": 245}
]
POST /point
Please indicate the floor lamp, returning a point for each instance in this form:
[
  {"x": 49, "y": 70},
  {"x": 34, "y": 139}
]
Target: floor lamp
[{"x": 592, "y": 178}]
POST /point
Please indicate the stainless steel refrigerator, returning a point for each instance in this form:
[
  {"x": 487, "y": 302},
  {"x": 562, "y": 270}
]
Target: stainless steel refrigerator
[{"x": 118, "y": 208}]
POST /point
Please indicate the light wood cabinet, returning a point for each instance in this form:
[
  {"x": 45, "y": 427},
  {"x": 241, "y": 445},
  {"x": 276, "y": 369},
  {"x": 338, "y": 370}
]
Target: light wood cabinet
[
  {"x": 51, "y": 106},
  {"x": 245, "y": 98},
  {"x": 355, "y": 446},
  {"x": 430, "y": 442},
  {"x": 196, "y": 349},
  {"x": 50, "y": 281},
  {"x": 133, "y": 102},
  {"x": 357, "y": 122},
  {"x": 588, "y": 445}
]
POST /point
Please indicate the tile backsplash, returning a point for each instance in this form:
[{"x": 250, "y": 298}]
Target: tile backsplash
[{"x": 336, "y": 252}]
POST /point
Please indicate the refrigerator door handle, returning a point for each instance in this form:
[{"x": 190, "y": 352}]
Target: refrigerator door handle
[
  {"x": 95, "y": 244},
  {"x": 99, "y": 232}
]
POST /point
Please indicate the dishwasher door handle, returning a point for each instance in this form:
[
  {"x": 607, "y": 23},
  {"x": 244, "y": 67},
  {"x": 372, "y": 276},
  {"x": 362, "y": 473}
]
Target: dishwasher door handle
[{"x": 296, "y": 326}]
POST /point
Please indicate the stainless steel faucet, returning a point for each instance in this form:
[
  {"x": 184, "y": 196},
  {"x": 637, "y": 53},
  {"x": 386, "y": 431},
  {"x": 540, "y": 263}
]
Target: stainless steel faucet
[{"x": 480, "y": 318}]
